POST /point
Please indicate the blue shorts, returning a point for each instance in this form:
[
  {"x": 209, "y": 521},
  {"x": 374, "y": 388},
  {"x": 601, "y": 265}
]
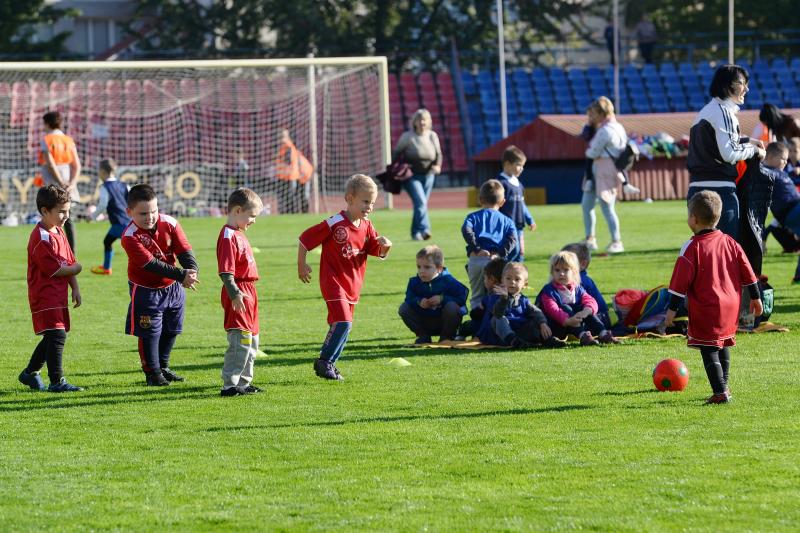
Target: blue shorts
[
  {"x": 116, "y": 230},
  {"x": 154, "y": 310}
]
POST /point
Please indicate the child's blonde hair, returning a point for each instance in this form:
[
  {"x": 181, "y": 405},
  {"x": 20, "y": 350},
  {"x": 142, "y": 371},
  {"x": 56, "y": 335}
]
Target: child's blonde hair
[
  {"x": 360, "y": 182},
  {"x": 568, "y": 259},
  {"x": 432, "y": 253},
  {"x": 515, "y": 265}
]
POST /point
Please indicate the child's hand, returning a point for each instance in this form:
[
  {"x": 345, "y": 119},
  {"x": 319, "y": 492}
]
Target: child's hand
[
  {"x": 435, "y": 301},
  {"x": 545, "y": 330},
  {"x": 499, "y": 289},
  {"x": 385, "y": 244},
  {"x": 584, "y": 313},
  {"x": 532, "y": 226},
  {"x": 190, "y": 280},
  {"x": 573, "y": 321},
  {"x": 76, "y": 297},
  {"x": 481, "y": 253},
  {"x": 238, "y": 302},
  {"x": 304, "y": 272},
  {"x": 425, "y": 303},
  {"x": 669, "y": 320},
  {"x": 756, "y": 307}
]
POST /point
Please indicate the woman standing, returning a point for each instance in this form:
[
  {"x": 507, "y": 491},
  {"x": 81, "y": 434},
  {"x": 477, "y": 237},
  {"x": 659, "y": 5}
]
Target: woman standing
[
  {"x": 715, "y": 145},
  {"x": 608, "y": 142},
  {"x": 421, "y": 150},
  {"x": 60, "y": 164}
]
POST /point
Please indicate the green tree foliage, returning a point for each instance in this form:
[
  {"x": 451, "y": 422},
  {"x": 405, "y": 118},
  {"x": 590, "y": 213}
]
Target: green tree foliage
[{"x": 18, "y": 21}]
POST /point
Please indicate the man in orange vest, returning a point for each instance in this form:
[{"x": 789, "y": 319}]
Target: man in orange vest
[
  {"x": 60, "y": 164},
  {"x": 294, "y": 172}
]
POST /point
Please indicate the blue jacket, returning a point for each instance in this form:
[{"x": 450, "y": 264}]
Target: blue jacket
[
  {"x": 784, "y": 193},
  {"x": 117, "y": 202},
  {"x": 444, "y": 285},
  {"x": 602, "y": 308},
  {"x": 490, "y": 230},
  {"x": 515, "y": 207},
  {"x": 518, "y": 313}
]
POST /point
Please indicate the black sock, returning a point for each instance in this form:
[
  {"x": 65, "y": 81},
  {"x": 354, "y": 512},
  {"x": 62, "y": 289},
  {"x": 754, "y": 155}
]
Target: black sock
[
  {"x": 165, "y": 344},
  {"x": 725, "y": 362},
  {"x": 148, "y": 354},
  {"x": 38, "y": 357},
  {"x": 713, "y": 366}
]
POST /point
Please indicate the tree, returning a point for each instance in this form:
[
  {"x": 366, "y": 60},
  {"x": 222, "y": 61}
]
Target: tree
[{"x": 18, "y": 22}]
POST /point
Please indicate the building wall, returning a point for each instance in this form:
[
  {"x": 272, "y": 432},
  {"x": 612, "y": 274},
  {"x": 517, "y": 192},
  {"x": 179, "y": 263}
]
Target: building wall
[{"x": 97, "y": 28}]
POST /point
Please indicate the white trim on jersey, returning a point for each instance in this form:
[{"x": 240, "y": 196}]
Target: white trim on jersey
[
  {"x": 168, "y": 219},
  {"x": 130, "y": 231},
  {"x": 334, "y": 219},
  {"x": 228, "y": 233},
  {"x": 684, "y": 247},
  {"x": 44, "y": 235},
  {"x": 676, "y": 293}
]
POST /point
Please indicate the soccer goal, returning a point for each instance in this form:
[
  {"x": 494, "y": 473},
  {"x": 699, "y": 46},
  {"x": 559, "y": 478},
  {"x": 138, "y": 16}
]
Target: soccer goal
[{"x": 291, "y": 129}]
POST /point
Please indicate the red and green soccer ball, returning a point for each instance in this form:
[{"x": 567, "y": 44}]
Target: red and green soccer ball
[{"x": 670, "y": 375}]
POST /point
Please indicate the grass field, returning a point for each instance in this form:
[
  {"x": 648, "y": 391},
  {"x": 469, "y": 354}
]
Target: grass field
[{"x": 491, "y": 440}]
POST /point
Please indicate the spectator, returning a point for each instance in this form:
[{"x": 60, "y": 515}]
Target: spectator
[
  {"x": 647, "y": 36},
  {"x": 420, "y": 148},
  {"x": 608, "y": 35},
  {"x": 775, "y": 126}
]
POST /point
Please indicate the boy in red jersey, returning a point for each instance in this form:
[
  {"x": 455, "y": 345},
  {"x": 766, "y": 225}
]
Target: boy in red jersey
[
  {"x": 238, "y": 271},
  {"x": 153, "y": 241},
  {"x": 51, "y": 268},
  {"x": 710, "y": 273},
  {"x": 347, "y": 238}
]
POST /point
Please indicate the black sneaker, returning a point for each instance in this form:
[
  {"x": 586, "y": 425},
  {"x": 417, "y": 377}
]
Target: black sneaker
[
  {"x": 252, "y": 389},
  {"x": 156, "y": 379},
  {"x": 339, "y": 375},
  {"x": 326, "y": 370},
  {"x": 169, "y": 375},
  {"x": 426, "y": 339},
  {"x": 63, "y": 386},
  {"x": 555, "y": 342},
  {"x": 32, "y": 380},
  {"x": 232, "y": 391}
]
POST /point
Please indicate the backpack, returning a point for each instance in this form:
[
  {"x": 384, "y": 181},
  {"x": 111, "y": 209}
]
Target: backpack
[
  {"x": 627, "y": 157},
  {"x": 644, "y": 310}
]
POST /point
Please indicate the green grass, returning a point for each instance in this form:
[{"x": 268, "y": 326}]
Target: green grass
[{"x": 484, "y": 440}]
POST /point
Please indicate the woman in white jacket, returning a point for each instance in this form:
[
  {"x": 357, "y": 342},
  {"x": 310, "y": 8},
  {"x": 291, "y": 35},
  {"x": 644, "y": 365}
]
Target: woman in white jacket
[{"x": 608, "y": 142}]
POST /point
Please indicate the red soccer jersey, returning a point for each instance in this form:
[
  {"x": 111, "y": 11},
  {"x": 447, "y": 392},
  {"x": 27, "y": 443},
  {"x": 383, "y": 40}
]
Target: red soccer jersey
[
  {"x": 710, "y": 272},
  {"x": 344, "y": 255},
  {"x": 164, "y": 243},
  {"x": 235, "y": 256},
  {"x": 48, "y": 251}
]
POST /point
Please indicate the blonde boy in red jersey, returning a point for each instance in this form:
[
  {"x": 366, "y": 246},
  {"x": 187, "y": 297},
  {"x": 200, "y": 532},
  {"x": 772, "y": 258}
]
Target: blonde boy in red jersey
[
  {"x": 347, "y": 238},
  {"x": 153, "y": 242},
  {"x": 51, "y": 268},
  {"x": 710, "y": 273},
  {"x": 238, "y": 271}
]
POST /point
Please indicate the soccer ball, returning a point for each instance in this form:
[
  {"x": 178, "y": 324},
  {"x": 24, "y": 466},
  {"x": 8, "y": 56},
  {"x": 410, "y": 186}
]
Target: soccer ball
[{"x": 670, "y": 375}]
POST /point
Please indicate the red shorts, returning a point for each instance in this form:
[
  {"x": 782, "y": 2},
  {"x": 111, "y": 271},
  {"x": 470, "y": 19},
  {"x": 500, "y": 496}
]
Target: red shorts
[
  {"x": 340, "y": 311},
  {"x": 56, "y": 318},
  {"x": 247, "y": 321}
]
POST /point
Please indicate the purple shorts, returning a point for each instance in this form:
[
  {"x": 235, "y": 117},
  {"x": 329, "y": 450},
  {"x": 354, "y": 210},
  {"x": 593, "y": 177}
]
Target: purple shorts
[{"x": 154, "y": 310}]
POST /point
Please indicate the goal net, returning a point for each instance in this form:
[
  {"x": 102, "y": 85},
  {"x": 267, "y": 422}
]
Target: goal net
[{"x": 292, "y": 130}]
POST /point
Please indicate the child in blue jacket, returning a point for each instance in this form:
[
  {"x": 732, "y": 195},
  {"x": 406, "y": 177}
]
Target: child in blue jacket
[
  {"x": 435, "y": 300},
  {"x": 515, "y": 208},
  {"x": 511, "y": 319}
]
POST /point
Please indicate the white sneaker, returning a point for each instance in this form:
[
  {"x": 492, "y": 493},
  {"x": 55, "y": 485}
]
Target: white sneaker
[
  {"x": 417, "y": 237},
  {"x": 591, "y": 243},
  {"x": 615, "y": 247},
  {"x": 630, "y": 189}
]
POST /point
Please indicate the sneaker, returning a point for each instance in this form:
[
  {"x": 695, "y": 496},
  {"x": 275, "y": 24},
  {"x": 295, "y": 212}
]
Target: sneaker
[
  {"x": 719, "y": 398},
  {"x": 100, "y": 270},
  {"x": 554, "y": 342},
  {"x": 417, "y": 237},
  {"x": 630, "y": 189},
  {"x": 326, "y": 370},
  {"x": 32, "y": 380},
  {"x": 252, "y": 389},
  {"x": 423, "y": 340},
  {"x": 519, "y": 344},
  {"x": 63, "y": 386},
  {"x": 426, "y": 235},
  {"x": 608, "y": 338},
  {"x": 795, "y": 281},
  {"x": 169, "y": 375},
  {"x": 588, "y": 340},
  {"x": 615, "y": 247},
  {"x": 232, "y": 391},
  {"x": 591, "y": 243},
  {"x": 339, "y": 375},
  {"x": 156, "y": 379}
]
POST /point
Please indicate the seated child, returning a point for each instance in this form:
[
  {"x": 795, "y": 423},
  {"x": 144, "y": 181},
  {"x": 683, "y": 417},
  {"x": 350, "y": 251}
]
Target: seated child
[
  {"x": 581, "y": 249},
  {"x": 435, "y": 300},
  {"x": 492, "y": 275},
  {"x": 114, "y": 200},
  {"x": 488, "y": 233},
  {"x": 568, "y": 307},
  {"x": 510, "y": 318},
  {"x": 709, "y": 274}
]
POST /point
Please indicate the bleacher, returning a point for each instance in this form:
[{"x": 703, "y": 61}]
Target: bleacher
[{"x": 648, "y": 89}]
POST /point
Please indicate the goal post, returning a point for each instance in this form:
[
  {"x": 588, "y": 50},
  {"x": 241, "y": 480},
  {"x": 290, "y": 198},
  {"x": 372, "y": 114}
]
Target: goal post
[{"x": 293, "y": 130}]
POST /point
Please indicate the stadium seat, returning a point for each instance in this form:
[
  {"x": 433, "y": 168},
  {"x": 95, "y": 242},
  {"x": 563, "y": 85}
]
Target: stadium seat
[{"x": 667, "y": 70}]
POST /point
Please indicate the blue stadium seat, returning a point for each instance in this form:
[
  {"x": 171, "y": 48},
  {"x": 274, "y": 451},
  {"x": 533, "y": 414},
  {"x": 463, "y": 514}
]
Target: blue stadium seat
[
  {"x": 667, "y": 68},
  {"x": 594, "y": 72},
  {"x": 660, "y": 106},
  {"x": 794, "y": 64},
  {"x": 760, "y": 65},
  {"x": 547, "y": 108},
  {"x": 687, "y": 68},
  {"x": 576, "y": 74},
  {"x": 678, "y": 102}
]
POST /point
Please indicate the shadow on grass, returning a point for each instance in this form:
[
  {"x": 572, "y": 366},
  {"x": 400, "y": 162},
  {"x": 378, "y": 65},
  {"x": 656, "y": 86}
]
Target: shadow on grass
[
  {"x": 406, "y": 418},
  {"x": 626, "y": 392},
  {"x": 44, "y": 400}
]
